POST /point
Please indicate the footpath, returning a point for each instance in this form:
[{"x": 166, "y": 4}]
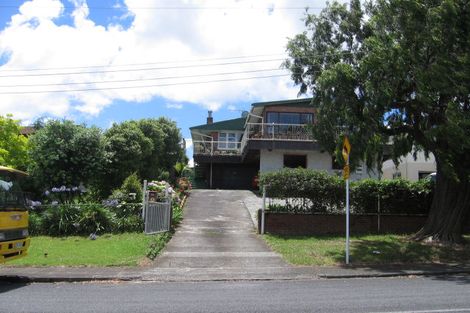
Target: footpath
[{"x": 217, "y": 242}]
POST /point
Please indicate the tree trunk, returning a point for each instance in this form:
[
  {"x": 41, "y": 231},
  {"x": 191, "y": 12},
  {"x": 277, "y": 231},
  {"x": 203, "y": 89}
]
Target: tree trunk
[{"x": 449, "y": 210}]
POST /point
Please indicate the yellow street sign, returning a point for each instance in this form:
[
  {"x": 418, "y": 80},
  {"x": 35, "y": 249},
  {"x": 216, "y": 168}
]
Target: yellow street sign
[
  {"x": 346, "y": 172},
  {"x": 346, "y": 149}
]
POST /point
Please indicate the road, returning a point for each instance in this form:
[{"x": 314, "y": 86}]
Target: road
[{"x": 438, "y": 294}]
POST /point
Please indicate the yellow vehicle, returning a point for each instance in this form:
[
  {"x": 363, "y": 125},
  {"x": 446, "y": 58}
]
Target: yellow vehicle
[{"x": 14, "y": 235}]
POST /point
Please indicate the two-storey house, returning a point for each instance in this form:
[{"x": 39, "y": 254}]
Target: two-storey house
[{"x": 230, "y": 154}]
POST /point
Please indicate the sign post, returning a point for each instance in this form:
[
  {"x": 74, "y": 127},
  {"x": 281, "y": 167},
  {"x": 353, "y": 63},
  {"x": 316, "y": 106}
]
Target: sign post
[{"x": 346, "y": 151}]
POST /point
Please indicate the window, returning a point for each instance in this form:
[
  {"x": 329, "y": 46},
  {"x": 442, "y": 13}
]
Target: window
[
  {"x": 289, "y": 118},
  {"x": 227, "y": 141},
  {"x": 423, "y": 175},
  {"x": 295, "y": 161}
]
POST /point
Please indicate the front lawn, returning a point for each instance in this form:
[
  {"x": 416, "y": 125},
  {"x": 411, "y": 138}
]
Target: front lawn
[
  {"x": 366, "y": 249},
  {"x": 128, "y": 249}
]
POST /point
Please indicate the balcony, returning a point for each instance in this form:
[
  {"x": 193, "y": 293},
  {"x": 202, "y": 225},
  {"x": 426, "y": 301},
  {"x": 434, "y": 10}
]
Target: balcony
[
  {"x": 289, "y": 132},
  {"x": 208, "y": 147},
  {"x": 256, "y": 136}
]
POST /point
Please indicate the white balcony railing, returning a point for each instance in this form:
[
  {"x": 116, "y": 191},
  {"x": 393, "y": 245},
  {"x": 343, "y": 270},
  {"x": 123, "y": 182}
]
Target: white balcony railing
[
  {"x": 254, "y": 131},
  {"x": 207, "y": 147},
  {"x": 265, "y": 131}
]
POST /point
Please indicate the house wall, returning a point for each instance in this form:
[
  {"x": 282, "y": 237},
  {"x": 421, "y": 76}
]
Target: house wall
[
  {"x": 409, "y": 168},
  {"x": 274, "y": 160}
]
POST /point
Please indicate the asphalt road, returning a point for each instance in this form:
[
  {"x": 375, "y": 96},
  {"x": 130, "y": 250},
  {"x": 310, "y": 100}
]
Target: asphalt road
[{"x": 438, "y": 294}]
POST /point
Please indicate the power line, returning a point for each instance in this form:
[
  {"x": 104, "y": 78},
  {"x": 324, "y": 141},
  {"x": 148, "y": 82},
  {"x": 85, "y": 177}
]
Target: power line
[
  {"x": 139, "y": 64},
  {"x": 142, "y": 69},
  {"x": 144, "y": 86},
  {"x": 140, "y": 79},
  {"x": 199, "y": 8}
]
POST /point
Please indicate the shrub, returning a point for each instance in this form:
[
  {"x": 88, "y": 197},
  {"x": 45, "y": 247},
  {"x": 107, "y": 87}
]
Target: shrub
[
  {"x": 132, "y": 185},
  {"x": 312, "y": 191},
  {"x": 129, "y": 224},
  {"x": 305, "y": 190},
  {"x": 61, "y": 219},
  {"x": 94, "y": 218},
  {"x": 35, "y": 224},
  {"x": 157, "y": 244}
]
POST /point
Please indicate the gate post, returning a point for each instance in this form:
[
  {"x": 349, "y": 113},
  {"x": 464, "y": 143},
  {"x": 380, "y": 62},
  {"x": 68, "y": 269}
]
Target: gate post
[
  {"x": 144, "y": 199},
  {"x": 263, "y": 208}
]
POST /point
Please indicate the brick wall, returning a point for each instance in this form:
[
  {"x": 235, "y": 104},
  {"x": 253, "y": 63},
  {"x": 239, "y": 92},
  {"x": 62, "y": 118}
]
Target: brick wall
[{"x": 321, "y": 224}]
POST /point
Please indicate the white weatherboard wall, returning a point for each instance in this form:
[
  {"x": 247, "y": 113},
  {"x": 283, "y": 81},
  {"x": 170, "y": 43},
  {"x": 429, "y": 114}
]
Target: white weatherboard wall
[
  {"x": 274, "y": 160},
  {"x": 409, "y": 168}
]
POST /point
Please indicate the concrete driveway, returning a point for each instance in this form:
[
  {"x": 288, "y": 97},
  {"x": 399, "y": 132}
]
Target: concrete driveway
[{"x": 217, "y": 232}]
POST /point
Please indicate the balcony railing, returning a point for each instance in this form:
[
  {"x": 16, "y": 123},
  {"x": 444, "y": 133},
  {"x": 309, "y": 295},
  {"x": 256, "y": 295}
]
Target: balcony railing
[
  {"x": 265, "y": 131},
  {"x": 207, "y": 147},
  {"x": 254, "y": 131}
]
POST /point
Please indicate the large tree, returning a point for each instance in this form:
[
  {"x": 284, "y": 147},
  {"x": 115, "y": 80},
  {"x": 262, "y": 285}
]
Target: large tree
[
  {"x": 13, "y": 145},
  {"x": 65, "y": 153},
  {"x": 395, "y": 73},
  {"x": 128, "y": 149}
]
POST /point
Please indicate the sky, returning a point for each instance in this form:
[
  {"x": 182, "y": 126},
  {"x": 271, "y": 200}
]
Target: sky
[{"x": 104, "y": 61}]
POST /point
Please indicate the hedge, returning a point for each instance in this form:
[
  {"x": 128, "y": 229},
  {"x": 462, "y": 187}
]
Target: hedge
[{"x": 310, "y": 191}]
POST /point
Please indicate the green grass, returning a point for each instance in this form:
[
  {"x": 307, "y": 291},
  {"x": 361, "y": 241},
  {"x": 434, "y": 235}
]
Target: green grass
[
  {"x": 367, "y": 249},
  {"x": 128, "y": 249}
]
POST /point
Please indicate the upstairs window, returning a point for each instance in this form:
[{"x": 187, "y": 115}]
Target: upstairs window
[
  {"x": 289, "y": 118},
  {"x": 227, "y": 141}
]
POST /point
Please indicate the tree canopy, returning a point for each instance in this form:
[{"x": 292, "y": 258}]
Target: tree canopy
[
  {"x": 64, "y": 153},
  {"x": 394, "y": 74},
  {"x": 13, "y": 145},
  {"x": 147, "y": 147}
]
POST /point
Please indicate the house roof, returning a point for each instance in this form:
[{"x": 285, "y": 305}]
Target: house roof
[
  {"x": 295, "y": 103},
  {"x": 27, "y": 131},
  {"x": 233, "y": 124}
]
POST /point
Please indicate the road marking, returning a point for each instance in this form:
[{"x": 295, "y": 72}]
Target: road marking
[{"x": 429, "y": 311}]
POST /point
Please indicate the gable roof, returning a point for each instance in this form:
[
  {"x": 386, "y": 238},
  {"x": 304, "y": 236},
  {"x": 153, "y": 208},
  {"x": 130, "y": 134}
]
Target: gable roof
[
  {"x": 294, "y": 102},
  {"x": 233, "y": 124}
]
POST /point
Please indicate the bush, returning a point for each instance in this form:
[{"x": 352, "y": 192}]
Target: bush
[
  {"x": 132, "y": 185},
  {"x": 305, "y": 190},
  {"x": 312, "y": 191},
  {"x": 72, "y": 219},
  {"x": 94, "y": 218},
  {"x": 35, "y": 224},
  {"x": 397, "y": 196},
  {"x": 61, "y": 219},
  {"x": 129, "y": 224}
]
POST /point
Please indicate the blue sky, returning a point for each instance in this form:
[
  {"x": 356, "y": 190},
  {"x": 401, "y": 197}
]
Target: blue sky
[{"x": 177, "y": 59}]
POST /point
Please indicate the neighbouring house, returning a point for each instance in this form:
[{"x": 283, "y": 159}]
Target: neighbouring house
[
  {"x": 27, "y": 131},
  {"x": 229, "y": 154},
  {"x": 409, "y": 167}
]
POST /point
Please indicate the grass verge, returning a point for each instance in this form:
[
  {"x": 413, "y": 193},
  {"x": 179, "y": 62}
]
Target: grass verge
[
  {"x": 128, "y": 249},
  {"x": 366, "y": 249}
]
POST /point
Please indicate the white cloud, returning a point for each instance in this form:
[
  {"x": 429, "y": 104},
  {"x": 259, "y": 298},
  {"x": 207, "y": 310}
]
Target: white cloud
[
  {"x": 177, "y": 106},
  {"x": 189, "y": 143},
  {"x": 33, "y": 39}
]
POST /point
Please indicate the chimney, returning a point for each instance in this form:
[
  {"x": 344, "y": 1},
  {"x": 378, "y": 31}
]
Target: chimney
[{"x": 210, "y": 120}]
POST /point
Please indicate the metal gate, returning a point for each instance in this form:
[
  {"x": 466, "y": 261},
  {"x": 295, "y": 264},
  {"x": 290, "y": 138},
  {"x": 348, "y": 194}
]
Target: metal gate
[{"x": 157, "y": 215}]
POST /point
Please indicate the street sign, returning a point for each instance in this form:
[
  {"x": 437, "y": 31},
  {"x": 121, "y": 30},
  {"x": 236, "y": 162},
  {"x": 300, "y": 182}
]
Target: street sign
[
  {"x": 346, "y": 149},
  {"x": 346, "y": 172}
]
